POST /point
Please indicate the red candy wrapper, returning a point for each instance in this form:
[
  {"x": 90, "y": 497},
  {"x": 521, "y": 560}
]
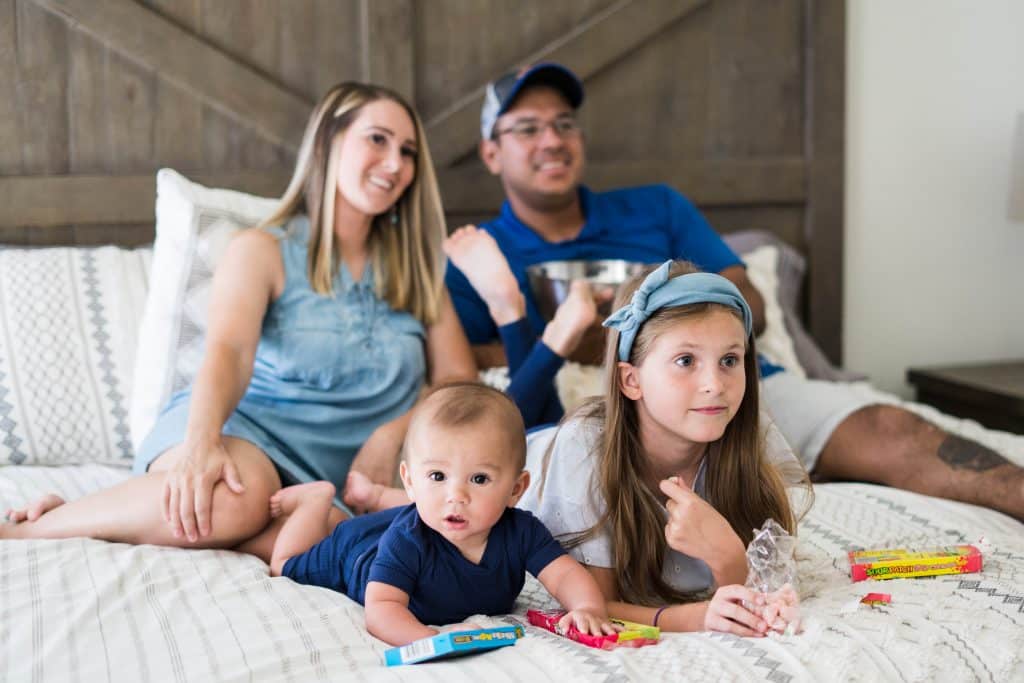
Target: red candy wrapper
[
  {"x": 631, "y": 635},
  {"x": 876, "y": 599}
]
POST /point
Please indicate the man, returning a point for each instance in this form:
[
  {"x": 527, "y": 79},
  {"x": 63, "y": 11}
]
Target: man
[{"x": 531, "y": 140}]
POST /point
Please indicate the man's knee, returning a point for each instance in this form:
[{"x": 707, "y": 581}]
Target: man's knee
[
  {"x": 892, "y": 424},
  {"x": 877, "y": 443}
]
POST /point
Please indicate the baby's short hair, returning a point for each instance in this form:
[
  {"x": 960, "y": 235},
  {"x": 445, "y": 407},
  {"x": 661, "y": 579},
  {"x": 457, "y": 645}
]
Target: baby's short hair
[{"x": 459, "y": 404}]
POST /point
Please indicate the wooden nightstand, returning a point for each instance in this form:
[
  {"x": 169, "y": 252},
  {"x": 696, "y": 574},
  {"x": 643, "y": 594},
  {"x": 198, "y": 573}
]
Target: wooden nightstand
[{"x": 992, "y": 393}]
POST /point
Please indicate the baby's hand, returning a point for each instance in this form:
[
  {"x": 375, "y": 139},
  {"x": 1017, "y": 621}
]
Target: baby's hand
[{"x": 586, "y": 622}]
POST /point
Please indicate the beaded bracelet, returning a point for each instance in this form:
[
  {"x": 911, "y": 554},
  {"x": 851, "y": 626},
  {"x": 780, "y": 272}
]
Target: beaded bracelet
[{"x": 658, "y": 614}]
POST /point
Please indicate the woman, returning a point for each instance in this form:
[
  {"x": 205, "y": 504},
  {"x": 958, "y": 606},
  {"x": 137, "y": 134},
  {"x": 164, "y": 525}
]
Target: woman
[{"x": 322, "y": 333}]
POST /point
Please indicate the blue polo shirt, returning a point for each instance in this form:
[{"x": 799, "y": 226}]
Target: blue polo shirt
[{"x": 647, "y": 224}]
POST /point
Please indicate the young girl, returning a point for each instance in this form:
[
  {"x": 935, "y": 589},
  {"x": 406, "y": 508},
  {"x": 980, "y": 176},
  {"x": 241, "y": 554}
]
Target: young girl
[
  {"x": 675, "y": 456},
  {"x": 325, "y": 324},
  {"x": 657, "y": 486}
]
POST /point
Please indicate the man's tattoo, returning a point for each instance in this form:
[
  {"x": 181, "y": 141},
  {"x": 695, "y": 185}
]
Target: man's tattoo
[{"x": 964, "y": 454}]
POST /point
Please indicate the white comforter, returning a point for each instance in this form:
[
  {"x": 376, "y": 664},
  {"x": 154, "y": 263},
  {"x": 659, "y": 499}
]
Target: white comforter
[{"x": 84, "y": 610}]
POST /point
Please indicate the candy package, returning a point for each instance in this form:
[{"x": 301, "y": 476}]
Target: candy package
[
  {"x": 631, "y": 635},
  {"x": 772, "y": 572},
  {"x": 452, "y": 644},
  {"x": 897, "y": 563}
]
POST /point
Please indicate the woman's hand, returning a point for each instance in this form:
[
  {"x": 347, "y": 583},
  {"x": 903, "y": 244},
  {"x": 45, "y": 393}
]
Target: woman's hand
[
  {"x": 696, "y": 529},
  {"x": 727, "y": 614},
  {"x": 188, "y": 488},
  {"x": 378, "y": 457}
]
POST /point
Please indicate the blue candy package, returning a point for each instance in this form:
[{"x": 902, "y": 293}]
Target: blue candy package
[{"x": 453, "y": 644}]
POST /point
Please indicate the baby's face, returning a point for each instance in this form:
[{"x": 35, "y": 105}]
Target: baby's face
[{"x": 462, "y": 479}]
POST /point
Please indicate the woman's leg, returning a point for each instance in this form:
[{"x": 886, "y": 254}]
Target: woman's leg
[{"x": 132, "y": 512}]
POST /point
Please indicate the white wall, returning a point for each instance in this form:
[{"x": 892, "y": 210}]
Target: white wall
[{"x": 934, "y": 268}]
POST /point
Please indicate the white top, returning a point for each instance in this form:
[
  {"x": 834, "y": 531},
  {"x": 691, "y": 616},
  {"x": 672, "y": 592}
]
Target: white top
[{"x": 567, "y": 498}]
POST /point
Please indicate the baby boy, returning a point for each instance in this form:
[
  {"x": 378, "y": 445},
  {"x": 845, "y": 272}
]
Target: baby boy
[{"x": 461, "y": 548}]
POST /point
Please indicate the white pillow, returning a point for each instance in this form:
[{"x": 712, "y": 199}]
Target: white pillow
[
  {"x": 68, "y": 323},
  {"x": 774, "y": 343},
  {"x": 193, "y": 226}
]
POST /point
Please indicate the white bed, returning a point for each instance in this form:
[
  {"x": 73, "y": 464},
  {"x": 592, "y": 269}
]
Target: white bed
[{"x": 84, "y": 610}]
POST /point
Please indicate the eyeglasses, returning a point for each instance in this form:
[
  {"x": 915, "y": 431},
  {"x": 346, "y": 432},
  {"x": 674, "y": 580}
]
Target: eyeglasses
[{"x": 529, "y": 130}]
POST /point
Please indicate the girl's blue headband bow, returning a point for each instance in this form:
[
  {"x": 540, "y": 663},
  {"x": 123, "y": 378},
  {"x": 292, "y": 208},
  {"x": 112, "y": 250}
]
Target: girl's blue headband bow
[{"x": 658, "y": 290}]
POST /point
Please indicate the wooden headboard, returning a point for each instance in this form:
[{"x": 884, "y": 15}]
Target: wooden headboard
[{"x": 737, "y": 103}]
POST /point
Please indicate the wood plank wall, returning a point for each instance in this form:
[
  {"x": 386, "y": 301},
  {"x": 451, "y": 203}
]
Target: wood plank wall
[{"x": 737, "y": 103}]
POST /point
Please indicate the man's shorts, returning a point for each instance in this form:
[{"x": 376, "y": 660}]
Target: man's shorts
[{"x": 807, "y": 411}]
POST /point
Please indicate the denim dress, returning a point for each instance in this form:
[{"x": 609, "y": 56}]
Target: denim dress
[{"x": 328, "y": 371}]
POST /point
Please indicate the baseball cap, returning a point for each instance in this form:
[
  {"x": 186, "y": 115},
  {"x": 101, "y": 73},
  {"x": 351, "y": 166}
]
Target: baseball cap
[{"x": 502, "y": 92}]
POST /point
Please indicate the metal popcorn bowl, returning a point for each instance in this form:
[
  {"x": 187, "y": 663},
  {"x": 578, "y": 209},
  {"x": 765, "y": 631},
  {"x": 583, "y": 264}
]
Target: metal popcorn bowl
[{"x": 550, "y": 280}]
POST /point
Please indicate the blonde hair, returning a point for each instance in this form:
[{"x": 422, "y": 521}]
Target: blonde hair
[
  {"x": 406, "y": 258},
  {"x": 464, "y": 404},
  {"x": 739, "y": 481}
]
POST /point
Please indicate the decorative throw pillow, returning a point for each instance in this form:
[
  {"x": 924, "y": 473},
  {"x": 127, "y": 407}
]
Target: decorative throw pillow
[
  {"x": 790, "y": 269},
  {"x": 193, "y": 226},
  {"x": 69, "y": 317}
]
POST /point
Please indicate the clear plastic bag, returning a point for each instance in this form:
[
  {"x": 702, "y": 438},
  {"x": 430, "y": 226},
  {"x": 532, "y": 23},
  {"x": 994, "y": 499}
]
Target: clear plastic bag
[{"x": 772, "y": 572}]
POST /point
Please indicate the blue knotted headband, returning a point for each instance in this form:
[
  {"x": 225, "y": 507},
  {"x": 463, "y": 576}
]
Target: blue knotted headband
[{"x": 658, "y": 290}]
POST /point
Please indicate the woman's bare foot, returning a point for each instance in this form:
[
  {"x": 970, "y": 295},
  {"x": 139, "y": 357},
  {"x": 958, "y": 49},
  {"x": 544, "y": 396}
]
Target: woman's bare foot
[
  {"x": 36, "y": 510},
  {"x": 477, "y": 255},
  {"x": 286, "y": 500},
  {"x": 572, "y": 319}
]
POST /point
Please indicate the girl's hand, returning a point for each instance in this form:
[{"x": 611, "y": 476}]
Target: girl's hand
[
  {"x": 727, "y": 614},
  {"x": 696, "y": 529},
  {"x": 188, "y": 488},
  {"x": 586, "y": 622}
]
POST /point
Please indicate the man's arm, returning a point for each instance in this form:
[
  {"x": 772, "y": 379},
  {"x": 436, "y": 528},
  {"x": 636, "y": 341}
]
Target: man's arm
[{"x": 738, "y": 276}]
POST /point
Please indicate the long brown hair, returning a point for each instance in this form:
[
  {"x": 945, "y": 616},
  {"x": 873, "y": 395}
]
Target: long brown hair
[
  {"x": 406, "y": 258},
  {"x": 739, "y": 481}
]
